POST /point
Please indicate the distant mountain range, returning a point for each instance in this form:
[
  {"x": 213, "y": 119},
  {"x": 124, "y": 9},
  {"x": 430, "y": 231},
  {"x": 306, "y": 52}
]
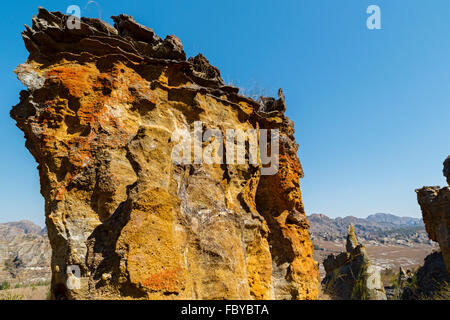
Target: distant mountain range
[
  {"x": 390, "y": 219},
  {"x": 24, "y": 252},
  {"x": 381, "y": 227},
  {"x": 10, "y": 229}
]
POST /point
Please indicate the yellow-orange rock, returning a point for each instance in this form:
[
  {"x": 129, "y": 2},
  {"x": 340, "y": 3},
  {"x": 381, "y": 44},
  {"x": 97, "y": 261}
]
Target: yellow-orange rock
[
  {"x": 98, "y": 116},
  {"x": 435, "y": 205}
]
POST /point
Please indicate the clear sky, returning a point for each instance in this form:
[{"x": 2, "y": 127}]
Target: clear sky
[{"x": 371, "y": 108}]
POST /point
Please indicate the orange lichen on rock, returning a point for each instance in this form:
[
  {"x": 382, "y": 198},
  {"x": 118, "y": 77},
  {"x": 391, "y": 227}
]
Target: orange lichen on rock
[
  {"x": 98, "y": 117},
  {"x": 77, "y": 79}
]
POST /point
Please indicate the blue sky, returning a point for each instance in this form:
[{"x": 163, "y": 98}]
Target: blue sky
[{"x": 371, "y": 108}]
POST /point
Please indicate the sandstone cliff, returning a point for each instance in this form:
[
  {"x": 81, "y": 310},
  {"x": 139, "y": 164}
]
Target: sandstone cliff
[
  {"x": 435, "y": 205},
  {"x": 98, "y": 117}
]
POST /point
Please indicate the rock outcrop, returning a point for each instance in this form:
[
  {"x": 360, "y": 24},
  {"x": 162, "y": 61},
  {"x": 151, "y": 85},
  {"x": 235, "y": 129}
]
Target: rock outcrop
[
  {"x": 429, "y": 282},
  {"x": 350, "y": 275},
  {"x": 126, "y": 221},
  {"x": 432, "y": 278},
  {"x": 435, "y": 205},
  {"x": 446, "y": 169}
]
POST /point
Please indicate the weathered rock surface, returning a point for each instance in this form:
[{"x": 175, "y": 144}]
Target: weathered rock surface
[
  {"x": 350, "y": 275},
  {"x": 101, "y": 106},
  {"x": 435, "y": 205},
  {"x": 446, "y": 169}
]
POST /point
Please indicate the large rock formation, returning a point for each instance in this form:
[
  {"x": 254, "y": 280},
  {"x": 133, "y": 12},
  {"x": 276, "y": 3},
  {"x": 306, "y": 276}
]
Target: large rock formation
[
  {"x": 124, "y": 220},
  {"x": 350, "y": 274},
  {"x": 435, "y": 205}
]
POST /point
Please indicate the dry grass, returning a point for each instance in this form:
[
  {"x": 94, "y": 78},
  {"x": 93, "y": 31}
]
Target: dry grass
[
  {"x": 27, "y": 293},
  {"x": 441, "y": 293}
]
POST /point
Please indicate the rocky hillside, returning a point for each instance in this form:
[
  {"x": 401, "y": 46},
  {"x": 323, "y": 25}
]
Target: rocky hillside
[
  {"x": 107, "y": 108},
  {"x": 24, "y": 253},
  {"x": 11, "y": 229},
  {"x": 380, "y": 227},
  {"x": 387, "y": 220}
]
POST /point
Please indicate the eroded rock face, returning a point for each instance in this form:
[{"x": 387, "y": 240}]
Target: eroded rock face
[
  {"x": 98, "y": 116},
  {"x": 435, "y": 205},
  {"x": 446, "y": 169},
  {"x": 350, "y": 274}
]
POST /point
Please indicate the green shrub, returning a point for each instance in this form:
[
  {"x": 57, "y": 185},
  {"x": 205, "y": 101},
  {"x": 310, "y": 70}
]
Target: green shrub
[
  {"x": 11, "y": 296},
  {"x": 360, "y": 290},
  {"x": 5, "y": 285}
]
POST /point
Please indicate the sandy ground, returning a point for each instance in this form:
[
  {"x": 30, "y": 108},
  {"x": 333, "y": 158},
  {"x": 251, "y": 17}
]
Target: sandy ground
[
  {"x": 383, "y": 256},
  {"x": 28, "y": 293}
]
